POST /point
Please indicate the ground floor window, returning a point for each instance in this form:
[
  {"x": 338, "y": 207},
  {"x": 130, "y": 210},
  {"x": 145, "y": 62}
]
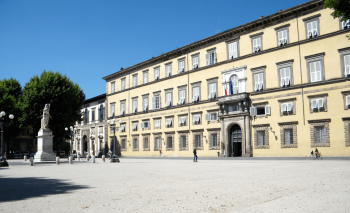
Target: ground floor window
[
  {"x": 183, "y": 142},
  {"x": 320, "y": 134},
  {"x": 197, "y": 141},
  {"x": 146, "y": 143},
  {"x": 214, "y": 140},
  {"x": 169, "y": 142},
  {"x": 135, "y": 144},
  {"x": 288, "y": 135},
  {"x": 261, "y": 138},
  {"x": 123, "y": 144}
]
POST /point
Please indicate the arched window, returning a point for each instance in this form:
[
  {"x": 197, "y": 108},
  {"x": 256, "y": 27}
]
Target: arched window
[
  {"x": 235, "y": 86},
  {"x": 86, "y": 115},
  {"x": 101, "y": 112}
]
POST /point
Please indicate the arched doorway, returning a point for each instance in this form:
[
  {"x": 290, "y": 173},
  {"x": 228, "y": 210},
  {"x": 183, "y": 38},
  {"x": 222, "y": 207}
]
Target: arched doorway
[{"x": 236, "y": 141}]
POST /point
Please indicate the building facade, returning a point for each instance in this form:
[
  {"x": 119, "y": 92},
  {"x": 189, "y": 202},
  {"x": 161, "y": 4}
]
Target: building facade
[
  {"x": 92, "y": 133},
  {"x": 277, "y": 86}
]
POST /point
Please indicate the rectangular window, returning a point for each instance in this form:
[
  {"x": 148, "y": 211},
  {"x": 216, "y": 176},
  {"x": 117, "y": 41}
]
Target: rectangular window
[
  {"x": 197, "y": 141},
  {"x": 122, "y": 108},
  {"x": 168, "y": 70},
  {"x": 212, "y": 91},
  {"x": 183, "y": 141},
  {"x": 347, "y": 65},
  {"x": 134, "y": 106},
  {"x": 134, "y": 80},
  {"x": 195, "y": 94},
  {"x": 317, "y": 103},
  {"x": 182, "y": 121},
  {"x": 285, "y": 76},
  {"x": 144, "y": 125},
  {"x": 169, "y": 122},
  {"x": 282, "y": 37},
  {"x": 122, "y": 128},
  {"x": 169, "y": 142},
  {"x": 347, "y": 101},
  {"x": 123, "y": 144},
  {"x": 156, "y": 123},
  {"x": 210, "y": 58},
  {"x": 145, "y": 104},
  {"x": 156, "y": 74},
  {"x": 261, "y": 138},
  {"x": 156, "y": 102},
  {"x": 320, "y": 134},
  {"x": 123, "y": 84},
  {"x": 287, "y": 107},
  {"x": 112, "y": 87},
  {"x": 315, "y": 71},
  {"x": 195, "y": 62},
  {"x": 257, "y": 44},
  {"x": 145, "y": 77},
  {"x": 288, "y": 136},
  {"x": 345, "y": 24},
  {"x": 134, "y": 126},
  {"x": 182, "y": 97},
  {"x": 93, "y": 115},
  {"x": 135, "y": 145},
  {"x": 312, "y": 29},
  {"x": 233, "y": 107},
  {"x": 211, "y": 116},
  {"x": 214, "y": 140},
  {"x": 181, "y": 66},
  {"x": 157, "y": 142},
  {"x": 112, "y": 110},
  {"x": 168, "y": 99},
  {"x": 258, "y": 81},
  {"x": 196, "y": 119},
  {"x": 145, "y": 142},
  {"x": 232, "y": 50}
]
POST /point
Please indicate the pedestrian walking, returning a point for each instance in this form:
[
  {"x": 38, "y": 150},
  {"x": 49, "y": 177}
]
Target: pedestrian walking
[{"x": 195, "y": 157}]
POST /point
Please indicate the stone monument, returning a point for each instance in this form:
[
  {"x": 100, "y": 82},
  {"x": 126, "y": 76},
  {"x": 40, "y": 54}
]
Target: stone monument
[{"x": 45, "y": 139}]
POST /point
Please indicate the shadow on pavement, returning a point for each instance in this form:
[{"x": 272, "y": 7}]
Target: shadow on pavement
[{"x": 13, "y": 189}]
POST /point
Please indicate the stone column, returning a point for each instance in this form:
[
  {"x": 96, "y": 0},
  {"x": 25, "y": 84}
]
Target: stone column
[
  {"x": 222, "y": 138},
  {"x": 247, "y": 136}
]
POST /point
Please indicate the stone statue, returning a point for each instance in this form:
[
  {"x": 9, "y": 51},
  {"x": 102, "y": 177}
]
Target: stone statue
[{"x": 46, "y": 117}]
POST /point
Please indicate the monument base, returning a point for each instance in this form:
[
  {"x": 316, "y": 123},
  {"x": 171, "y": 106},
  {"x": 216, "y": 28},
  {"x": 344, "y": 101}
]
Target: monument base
[{"x": 45, "y": 142}]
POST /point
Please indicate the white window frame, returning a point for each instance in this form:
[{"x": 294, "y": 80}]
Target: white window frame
[
  {"x": 232, "y": 49},
  {"x": 212, "y": 91},
  {"x": 182, "y": 121},
  {"x": 258, "y": 81},
  {"x": 181, "y": 66},
  {"x": 113, "y": 87},
  {"x": 287, "y": 107},
  {"x": 168, "y": 99},
  {"x": 182, "y": 96},
  {"x": 316, "y": 73},
  {"x": 134, "y": 126},
  {"x": 195, "y": 95},
  {"x": 257, "y": 47},
  {"x": 210, "y": 57},
  {"x": 112, "y": 110},
  {"x": 157, "y": 123},
  {"x": 123, "y": 84},
  {"x": 317, "y": 103},
  {"x": 282, "y": 37},
  {"x": 195, "y": 62},
  {"x": 196, "y": 119},
  {"x": 156, "y": 104},
  {"x": 168, "y": 122},
  {"x": 122, "y": 108},
  {"x": 168, "y": 70},
  {"x": 235, "y": 84},
  {"x": 214, "y": 116},
  {"x": 134, "y": 106},
  {"x": 156, "y": 73},
  {"x": 134, "y": 80},
  {"x": 285, "y": 75},
  {"x": 145, "y": 104},
  {"x": 145, "y": 77}
]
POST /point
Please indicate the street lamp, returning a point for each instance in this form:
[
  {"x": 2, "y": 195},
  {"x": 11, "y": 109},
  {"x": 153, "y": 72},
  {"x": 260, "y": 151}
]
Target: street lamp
[
  {"x": 72, "y": 131},
  {"x": 114, "y": 157},
  {"x": 3, "y": 161}
]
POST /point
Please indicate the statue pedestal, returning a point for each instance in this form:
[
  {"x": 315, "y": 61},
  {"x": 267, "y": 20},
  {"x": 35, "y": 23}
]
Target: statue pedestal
[{"x": 45, "y": 142}]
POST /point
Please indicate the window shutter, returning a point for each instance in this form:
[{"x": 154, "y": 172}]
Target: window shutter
[
  {"x": 347, "y": 64},
  {"x": 230, "y": 50},
  {"x": 142, "y": 125},
  {"x": 256, "y": 80},
  {"x": 207, "y": 59},
  {"x": 314, "y": 103},
  {"x": 214, "y": 58},
  {"x": 313, "y": 71},
  {"x": 320, "y": 103},
  {"x": 267, "y": 110},
  {"x": 235, "y": 55},
  {"x": 252, "y": 111},
  {"x": 282, "y": 107},
  {"x": 283, "y": 76},
  {"x": 153, "y": 103},
  {"x": 314, "y": 28},
  {"x": 287, "y": 76},
  {"x": 259, "y": 42},
  {"x": 309, "y": 27},
  {"x": 348, "y": 100},
  {"x": 318, "y": 71},
  {"x": 280, "y": 37},
  {"x": 207, "y": 117},
  {"x": 290, "y": 107}
]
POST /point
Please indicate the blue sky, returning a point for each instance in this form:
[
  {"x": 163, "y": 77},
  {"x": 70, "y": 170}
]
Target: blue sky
[{"x": 87, "y": 40}]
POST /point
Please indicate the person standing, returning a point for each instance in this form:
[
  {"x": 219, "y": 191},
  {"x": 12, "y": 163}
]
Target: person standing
[{"x": 195, "y": 157}]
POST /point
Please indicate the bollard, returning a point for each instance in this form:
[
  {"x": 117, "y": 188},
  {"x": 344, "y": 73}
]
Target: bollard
[
  {"x": 25, "y": 157},
  {"x": 31, "y": 161},
  {"x": 57, "y": 160},
  {"x": 93, "y": 159},
  {"x": 103, "y": 158},
  {"x": 70, "y": 160}
]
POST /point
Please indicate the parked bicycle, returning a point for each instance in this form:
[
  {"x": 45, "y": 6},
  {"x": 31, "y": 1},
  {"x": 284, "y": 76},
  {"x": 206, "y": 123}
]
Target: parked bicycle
[{"x": 316, "y": 154}]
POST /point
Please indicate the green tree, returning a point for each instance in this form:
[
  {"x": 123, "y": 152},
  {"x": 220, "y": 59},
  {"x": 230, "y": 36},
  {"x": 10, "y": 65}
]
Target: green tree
[
  {"x": 10, "y": 94},
  {"x": 65, "y": 98},
  {"x": 341, "y": 9}
]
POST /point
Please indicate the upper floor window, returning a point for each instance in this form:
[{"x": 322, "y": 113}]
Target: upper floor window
[
  {"x": 195, "y": 94},
  {"x": 347, "y": 64},
  {"x": 112, "y": 110},
  {"x": 122, "y": 108},
  {"x": 232, "y": 50},
  {"x": 182, "y": 96},
  {"x": 86, "y": 115},
  {"x": 145, "y": 104},
  {"x": 134, "y": 106},
  {"x": 235, "y": 86},
  {"x": 123, "y": 84},
  {"x": 168, "y": 99},
  {"x": 156, "y": 73},
  {"x": 145, "y": 77},
  {"x": 134, "y": 80},
  {"x": 282, "y": 37},
  {"x": 101, "y": 112},
  {"x": 312, "y": 28},
  {"x": 182, "y": 66},
  {"x": 195, "y": 61},
  {"x": 211, "y": 116},
  {"x": 212, "y": 91},
  {"x": 210, "y": 57},
  {"x": 256, "y": 42},
  {"x": 156, "y": 102},
  {"x": 168, "y": 70},
  {"x": 285, "y": 76},
  {"x": 285, "y": 73},
  {"x": 93, "y": 115},
  {"x": 345, "y": 24},
  {"x": 315, "y": 67},
  {"x": 258, "y": 81},
  {"x": 112, "y": 87}
]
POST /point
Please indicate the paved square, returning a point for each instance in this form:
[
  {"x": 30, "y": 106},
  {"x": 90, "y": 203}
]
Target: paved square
[{"x": 177, "y": 185}]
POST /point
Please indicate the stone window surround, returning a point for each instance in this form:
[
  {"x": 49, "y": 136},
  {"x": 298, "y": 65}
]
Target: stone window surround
[
  {"x": 196, "y": 84},
  {"x": 113, "y": 83},
  {"x": 210, "y": 81},
  {"x": 256, "y": 70},
  {"x": 157, "y": 118},
  {"x": 347, "y": 131},
  {"x": 183, "y": 115},
  {"x": 146, "y": 135},
  {"x": 149, "y": 124},
  {"x": 120, "y": 106},
  {"x": 132, "y": 80},
  {"x": 342, "y": 53},
  {"x": 167, "y": 91},
  {"x": 197, "y": 113},
  {"x": 229, "y": 41},
  {"x": 197, "y": 132},
  {"x": 121, "y": 139},
  {"x": 261, "y": 104},
  {"x": 320, "y": 122},
  {"x": 167, "y": 135},
  {"x": 170, "y": 117},
  {"x": 289, "y": 125},
  {"x": 280, "y": 102},
  {"x": 313, "y": 58},
  {"x": 143, "y": 100},
  {"x": 194, "y": 56},
  {"x": 281, "y": 28},
  {"x": 217, "y": 132},
  {"x": 157, "y": 135},
  {"x": 254, "y": 36},
  {"x": 345, "y": 93},
  {"x": 136, "y": 136},
  {"x": 186, "y": 134},
  {"x": 183, "y": 59},
  {"x": 309, "y": 19},
  {"x": 261, "y": 127},
  {"x": 179, "y": 88},
  {"x": 285, "y": 64},
  {"x": 312, "y": 97},
  {"x": 143, "y": 80},
  {"x": 168, "y": 64},
  {"x": 121, "y": 80}
]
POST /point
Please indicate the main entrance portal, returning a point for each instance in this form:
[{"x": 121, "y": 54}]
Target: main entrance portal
[{"x": 236, "y": 141}]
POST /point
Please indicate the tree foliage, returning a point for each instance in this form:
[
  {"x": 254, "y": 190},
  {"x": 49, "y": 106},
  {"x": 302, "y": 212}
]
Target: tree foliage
[
  {"x": 65, "y": 98},
  {"x": 341, "y": 9},
  {"x": 10, "y": 93}
]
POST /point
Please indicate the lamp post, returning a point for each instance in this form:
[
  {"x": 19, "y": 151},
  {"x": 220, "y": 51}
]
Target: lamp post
[
  {"x": 72, "y": 131},
  {"x": 3, "y": 161},
  {"x": 114, "y": 157}
]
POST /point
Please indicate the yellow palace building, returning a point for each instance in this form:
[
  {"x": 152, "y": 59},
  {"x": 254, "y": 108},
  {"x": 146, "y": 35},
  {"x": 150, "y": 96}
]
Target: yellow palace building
[{"x": 287, "y": 80}]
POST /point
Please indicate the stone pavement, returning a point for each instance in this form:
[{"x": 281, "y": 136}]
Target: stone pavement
[{"x": 171, "y": 185}]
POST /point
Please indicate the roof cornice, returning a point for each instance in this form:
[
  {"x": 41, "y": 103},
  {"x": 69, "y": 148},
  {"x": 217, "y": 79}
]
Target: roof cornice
[{"x": 221, "y": 36}]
